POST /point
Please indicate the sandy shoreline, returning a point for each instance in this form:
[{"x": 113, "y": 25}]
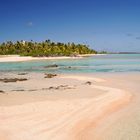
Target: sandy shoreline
[
  {"x": 74, "y": 111},
  {"x": 29, "y": 58},
  {"x": 17, "y": 58}
]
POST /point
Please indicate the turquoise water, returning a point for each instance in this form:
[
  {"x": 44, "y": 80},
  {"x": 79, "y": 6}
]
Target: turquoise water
[{"x": 100, "y": 63}]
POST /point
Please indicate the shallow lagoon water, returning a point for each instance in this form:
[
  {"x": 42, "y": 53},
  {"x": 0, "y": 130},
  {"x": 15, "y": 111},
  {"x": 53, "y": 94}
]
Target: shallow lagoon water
[{"x": 99, "y": 63}]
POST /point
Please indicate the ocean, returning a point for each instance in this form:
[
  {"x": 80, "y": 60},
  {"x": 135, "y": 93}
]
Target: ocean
[{"x": 96, "y": 64}]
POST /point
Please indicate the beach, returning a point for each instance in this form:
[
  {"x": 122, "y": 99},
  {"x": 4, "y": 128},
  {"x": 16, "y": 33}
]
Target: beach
[
  {"x": 70, "y": 70},
  {"x": 70, "y": 107},
  {"x": 17, "y": 58}
]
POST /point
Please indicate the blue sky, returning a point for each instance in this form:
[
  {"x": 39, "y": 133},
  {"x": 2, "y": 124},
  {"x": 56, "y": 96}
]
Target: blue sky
[{"x": 112, "y": 25}]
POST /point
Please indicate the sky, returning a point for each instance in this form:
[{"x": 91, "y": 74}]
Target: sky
[{"x": 110, "y": 25}]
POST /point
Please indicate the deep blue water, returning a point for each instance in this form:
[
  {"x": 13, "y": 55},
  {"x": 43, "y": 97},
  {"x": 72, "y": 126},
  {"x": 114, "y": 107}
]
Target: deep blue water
[{"x": 100, "y": 63}]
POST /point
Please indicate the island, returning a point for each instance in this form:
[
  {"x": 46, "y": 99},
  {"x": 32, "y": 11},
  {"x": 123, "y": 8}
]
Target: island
[{"x": 45, "y": 48}]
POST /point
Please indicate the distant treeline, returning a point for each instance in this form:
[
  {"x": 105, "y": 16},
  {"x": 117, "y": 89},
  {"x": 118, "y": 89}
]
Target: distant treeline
[{"x": 45, "y": 48}]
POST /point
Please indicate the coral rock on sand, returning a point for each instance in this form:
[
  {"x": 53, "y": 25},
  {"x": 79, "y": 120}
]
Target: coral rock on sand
[
  {"x": 88, "y": 83},
  {"x": 6, "y": 80},
  {"x": 1, "y": 91},
  {"x": 50, "y": 75},
  {"x": 22, "y": 73}
]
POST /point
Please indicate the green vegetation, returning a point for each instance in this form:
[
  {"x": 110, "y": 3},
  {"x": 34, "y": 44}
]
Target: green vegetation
[
  {"x": 45, "y": 48},
  {"x": 103, "y": 52}
]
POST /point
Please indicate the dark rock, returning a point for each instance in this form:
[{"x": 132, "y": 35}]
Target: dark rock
[
  {"x": 61, "y": 87},
  {"x": 49, "y": 75},
  {"x": 32, "y": 90},
  {"x": 51, "y": 66},
  {"x": 88, "y": 83},
  {"x": 51, "y": 88},
  {"x": 1, "y": 91},
  {"x": 6, "y": 80},
  {"x": 22, "y": 73},
  {"x": 19, "y": 90},
  {"x": 69, "y": 67}
]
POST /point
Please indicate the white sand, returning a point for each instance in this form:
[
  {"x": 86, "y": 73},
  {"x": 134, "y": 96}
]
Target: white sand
[
  {"x": 16, "y": 58},
  {"x": 70, "y": 114},
  {"x": 124, "y": 123}
]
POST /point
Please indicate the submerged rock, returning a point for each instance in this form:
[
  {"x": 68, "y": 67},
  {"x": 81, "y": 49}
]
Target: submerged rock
[{"x": 51, "y": 66}]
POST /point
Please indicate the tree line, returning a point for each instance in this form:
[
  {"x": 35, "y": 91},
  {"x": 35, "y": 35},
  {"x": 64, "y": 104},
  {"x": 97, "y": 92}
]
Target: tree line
[{"x": 45, "y": 48}]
